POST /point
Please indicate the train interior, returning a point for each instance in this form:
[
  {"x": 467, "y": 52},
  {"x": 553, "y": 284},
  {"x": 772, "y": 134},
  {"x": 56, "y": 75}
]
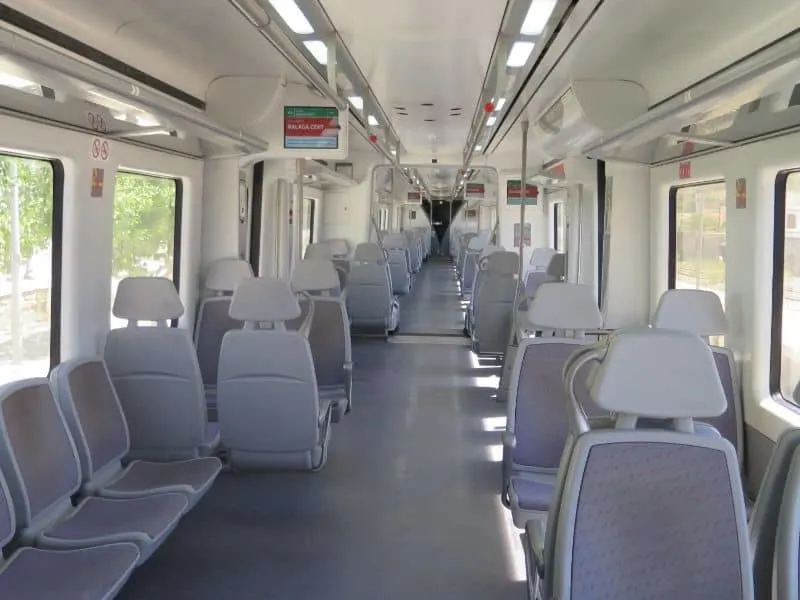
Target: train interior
[{"x": 436, "y": 299}]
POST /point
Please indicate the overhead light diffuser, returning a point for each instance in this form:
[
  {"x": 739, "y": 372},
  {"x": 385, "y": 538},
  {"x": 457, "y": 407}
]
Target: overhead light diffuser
[
  {"x": 537, "y": 17},
  {"x": 500, "y": 104},
  {"x": 520, "y": 52},
  {"x": 357, "y": 102},
  {"x": 478, "y": 148},
  {"x": 318, "y": 50},
  {"x": 491, "y": 121},
  {"x": 372, "y": 121},
  {"x": 292, "y": 15}
]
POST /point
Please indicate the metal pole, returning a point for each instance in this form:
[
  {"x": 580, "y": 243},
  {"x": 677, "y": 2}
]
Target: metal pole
[
  {"x": 16, "y": 271},
  {"x": 523, "y": 195}
]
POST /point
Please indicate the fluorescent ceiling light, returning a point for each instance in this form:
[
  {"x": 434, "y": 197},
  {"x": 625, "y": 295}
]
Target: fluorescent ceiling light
[
  {"x": 520, "y": 52},
  {"x": 500, "y": 104},
  {"x": 145, "y": 120},
  {"x": 357, "y": 102},
  {"x": 318, "y": 50},
  {"x": 372, "y": 121},
  {"x": 12, "y": 81},
  {"x": 478, "y": 148},
  {"x": 292, "y": 15},
  {"x": 491, "y": 121},
  {"x": 537, "y": 17},
  {"x": 393, "y": 151}
]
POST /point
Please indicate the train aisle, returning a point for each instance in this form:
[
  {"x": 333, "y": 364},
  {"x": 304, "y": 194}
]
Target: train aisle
[
  {"x": 407, "y": 506},
  {"x": 434, "y": 305}
]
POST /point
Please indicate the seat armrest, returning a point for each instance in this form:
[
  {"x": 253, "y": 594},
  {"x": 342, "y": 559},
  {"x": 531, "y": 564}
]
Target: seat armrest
[{"x": 535, "y": 531}]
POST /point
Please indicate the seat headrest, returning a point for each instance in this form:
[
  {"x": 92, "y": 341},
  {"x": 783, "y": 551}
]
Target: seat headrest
[
  {"x": 395, "y": 240},
  {"x": 697, "y": 311},
  {"x": 564, "y": 306},
  {"x": 490, "y": 249},
  {"x": 540, "y": 259},
  {"x": 479, "y": 241},
  {"x": 368, "y": 252},
  {"x": 658, "y": 373},
  {"x": 264, "y": 299},
  {"x": 314, "y": 275},
  {"x": 503, "y": 263},
  {"x": 147, "y": 299},
  {"x": 557, "y": 267},
  {"x": 319, "y": 250},
  {"x": 339, "y": 247},
  {"x": 226, "y": 273}
]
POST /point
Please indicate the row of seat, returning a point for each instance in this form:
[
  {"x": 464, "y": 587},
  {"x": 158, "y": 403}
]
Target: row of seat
[{"x": 83, "y": 520}]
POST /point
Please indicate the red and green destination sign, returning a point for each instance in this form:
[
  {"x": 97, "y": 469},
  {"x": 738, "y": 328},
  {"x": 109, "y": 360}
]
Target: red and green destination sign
[
  {"x": 474, "y": 191},
  {"x": 514, "y": 193},
  {"x": 311, "y": 127}
]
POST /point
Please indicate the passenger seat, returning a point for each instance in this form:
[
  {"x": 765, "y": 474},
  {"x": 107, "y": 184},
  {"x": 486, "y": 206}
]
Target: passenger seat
[
  {"x": 536, "y": 425},
  {"x": 156, "y": 374},
  {"x": 92, "y": 411},
  {"x": 494, "y": 303},
  {"x": 370, "y": 302},
  {"x": 34, "y": 574},
  {"x": 39, "y": 458},
  {"x": 655, "y": 512},
  {"x": 270, "y": 415},
  {"x": 329, "y": 335},
  {"x": 213, "y": 321}
]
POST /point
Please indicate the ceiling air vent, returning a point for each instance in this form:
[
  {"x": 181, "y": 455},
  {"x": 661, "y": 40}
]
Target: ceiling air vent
[{"x": 586, "y": 111}]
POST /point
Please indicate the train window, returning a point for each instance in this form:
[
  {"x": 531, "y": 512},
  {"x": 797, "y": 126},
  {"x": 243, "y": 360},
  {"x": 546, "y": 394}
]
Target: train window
[
  {"x": 31, "y": 198},
  {"x": 785, "y": 360},
  {"x": 307, "y": 228},
  {"x": 697, "y": 237},
  {"x": 147, "y": 229}
]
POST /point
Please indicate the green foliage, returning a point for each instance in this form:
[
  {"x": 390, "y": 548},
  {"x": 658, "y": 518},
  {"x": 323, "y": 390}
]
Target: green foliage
[
  {"x": 35, "y": 179},
  {"x": 144, "y": 224}
]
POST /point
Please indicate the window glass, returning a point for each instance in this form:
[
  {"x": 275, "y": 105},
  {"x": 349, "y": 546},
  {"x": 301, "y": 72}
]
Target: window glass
[
  {"x": 560, "y": 226},
  {"x": 790, "y": 299},
  {"x": 700, "y": 216},
  {"x": 26, "y": 268},
  {"x": 145, "y": 235}
]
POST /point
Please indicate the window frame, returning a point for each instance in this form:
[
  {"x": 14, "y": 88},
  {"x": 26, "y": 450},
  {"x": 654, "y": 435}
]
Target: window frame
[
  {"x": 672, "y": 227},
  {"x": 56, "y": 250},
  {"x": 255, "y": 215},
  {"x": 778, "y": 263}
]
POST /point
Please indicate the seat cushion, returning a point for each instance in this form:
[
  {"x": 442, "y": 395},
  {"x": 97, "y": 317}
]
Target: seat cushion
[
  {"x": 90, "y": 574},
  {"x": 186, "y": 476},
  {"x": 98, "y": 519}
]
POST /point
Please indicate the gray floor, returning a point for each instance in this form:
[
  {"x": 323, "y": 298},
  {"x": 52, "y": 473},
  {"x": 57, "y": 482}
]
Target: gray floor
[
  {"x": 434, "y": 305},
  {"x": 407, "y": 507}
]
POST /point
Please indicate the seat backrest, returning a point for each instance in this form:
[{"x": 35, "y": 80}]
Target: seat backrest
[
  {"x": 700, "y": 312},
  {"x": 329, "y": 335},
  {"x": 37, "y": 454},
  {"x": 86, "y": 395},
  {"x": 369, "y": 291},
  {"x": 155, "y": 370},
  {"x": 540, "y": 259},
  {"x": 537, "y": 395},
  {"x": 764, "y": 519},
  {"x": 213, "y": 319},
  {"x": 340, "y": 248},
  {"x": 787, "y": 542},
  {"x": 320, "y": 250},
  {"x": 267, "y": 392},
  {"x": 557, "y": 267},
  {"x": 649, "y": 508},
  {"x": 369, "y": 252}
]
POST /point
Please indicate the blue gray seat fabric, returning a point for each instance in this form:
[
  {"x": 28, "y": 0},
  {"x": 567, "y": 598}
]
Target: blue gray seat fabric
[
  {"x": 35, "y": 574},
  {"x": 766, "y": 519},
  {"x": 461, "y": 256},
  {"x": 472, "y": 256},
  {"x": 370, "y": 302},
  {"x": 157, "y": 375},
  {"x": 655, "y": 512},
  {"x": 483, "y": 271},
  {"x": 493, "y": 304},
  {"x": 414, "y": 248},
  {"x": 270, "y": 414},
  {"x": 97, "y": 424},
  {"x": 396, "y": 246},
  {"x": 700, "y": 312},
  {"x": 536, "y": 425},
  {"x": 536, "y": 273},
  {"x": 787, "y": 541},
  {"x": 213, "y": 319},
  {"x": 40, "y": 461},
  {"x": 329, "y": 332}
]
